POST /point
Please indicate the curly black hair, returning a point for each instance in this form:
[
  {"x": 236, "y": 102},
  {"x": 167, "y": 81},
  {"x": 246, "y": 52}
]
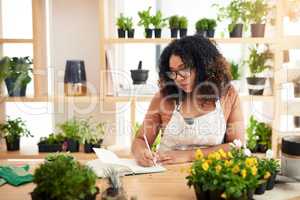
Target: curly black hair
[{"x": 212, "y": 70}]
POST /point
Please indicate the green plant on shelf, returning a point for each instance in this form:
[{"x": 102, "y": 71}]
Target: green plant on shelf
[
  {"x": 52, "y": 139},
  {"x": 183, "y": 22},
  {"x": 257, "y": 62},
  {"x": 91, "y": 132},
  {"x": 128, "y": 23},
  {"x": 13, "y": 129},
  {"x": 70, "y": 129},
  {"x": 256, "y": 11},
  {"x": 145, "y": 18},
  {"x": 122, "y": 22},
  {"x": 235, "y": 72},
  {"x": 202, "y": 25},
  {"x": 62, "y": 177},
  {"x": 211, "y": 24},
  {"x": 174, "y": 22},
  {"x": 158, "y": 21}
]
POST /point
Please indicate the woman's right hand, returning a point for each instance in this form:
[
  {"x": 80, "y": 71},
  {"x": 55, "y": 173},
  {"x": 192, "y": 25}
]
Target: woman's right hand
[{"x": 147, "y": 158}]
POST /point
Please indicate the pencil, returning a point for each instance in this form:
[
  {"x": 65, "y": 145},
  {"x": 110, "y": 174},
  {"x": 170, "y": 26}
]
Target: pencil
[{"x": 148, "y": 147}]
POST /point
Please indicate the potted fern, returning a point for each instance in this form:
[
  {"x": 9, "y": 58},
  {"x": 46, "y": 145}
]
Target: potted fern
[
  {"x": 202, "y": 26},
  {"x": 183, "y": 24},
  {"x": 257, "y": 12},
  {"x": 257, "y": 64},
  {"x": 174, "y": 25},
  {"x": 16, "y": 71},
  {"x": 12, "y": 130},
  {"x": 235, "y": 11},
  {"x": 145, "y": 20},
  {"x": 158, "y": 22},
  {"x": 121, "y": 24},
  {"x": 62, "y": 177},
  {"x": 129, "y": 27},
  {"x": 235, "y": 73}
]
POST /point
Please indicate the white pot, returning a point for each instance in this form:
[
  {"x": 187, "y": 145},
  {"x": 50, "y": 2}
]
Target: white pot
[{"x": 237, "y": 85}]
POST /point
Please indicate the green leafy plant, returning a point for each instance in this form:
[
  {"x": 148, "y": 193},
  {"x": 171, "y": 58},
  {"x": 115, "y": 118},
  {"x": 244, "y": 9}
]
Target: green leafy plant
[
  {"x": 121, "y": 22},
  {"x": 91, "y": 133},
  {"x": 235, "y": 11},
  {"x": 174, "y": 22},
  {"x": 211, "y": 24},
  {"x": 202, "y": 25},
  {"x": 257, "y": 11},
  {"x": 16, "y": 68},
  {"x": 183, "y": 22},
  {"x": 145, "y": 18},
  {"x": 257, "y": 61},
  {"x": 158, "y": 21},
  {"x": 258, "y": 133},
  {"x": 235, "y": 72},
  {"x": 62, "y": 177},
  {"x": 70, "y": 129},
  {"x": 52, "y": 139},
  {"x": 128, "y": 23},
  {"x": 13, "y": 129}
]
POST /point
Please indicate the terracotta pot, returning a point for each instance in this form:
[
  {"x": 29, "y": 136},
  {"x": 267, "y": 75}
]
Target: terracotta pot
[{"x": 257, "y": 30}]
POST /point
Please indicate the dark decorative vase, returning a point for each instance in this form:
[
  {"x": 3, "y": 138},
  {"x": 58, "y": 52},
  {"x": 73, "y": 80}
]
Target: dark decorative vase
[
  {"x": 182, "y": 32},
  {"x": 257, "y": 30},
  {"x": 258, "y": 82},
  {"x": 157, "y": 33},
  {"x": 121, "y": 33},
  {"x": 14, "y": 145},
  {"x": 130, "y": 33},
  {"x": 148, "y": 33},
  {"x": 13, "y": 90},
  {"x": 139, "y": 76},
  {"x": 237, "y": 31},
  {"x": 75, "y": 78},
  {"x": 174, "y": 32}
]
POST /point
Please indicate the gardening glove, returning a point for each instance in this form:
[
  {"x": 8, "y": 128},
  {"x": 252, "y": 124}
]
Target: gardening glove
[{"x": 15, "y": 175}]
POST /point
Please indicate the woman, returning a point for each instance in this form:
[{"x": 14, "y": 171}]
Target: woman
[{"x": 196, "y": 106}]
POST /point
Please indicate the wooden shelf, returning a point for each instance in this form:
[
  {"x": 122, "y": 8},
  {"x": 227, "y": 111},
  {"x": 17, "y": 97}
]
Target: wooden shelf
[
  {"x": 16, "y": 41},
  {"x": 167, "y": 40},
  {"x": 51, "y": 99}
]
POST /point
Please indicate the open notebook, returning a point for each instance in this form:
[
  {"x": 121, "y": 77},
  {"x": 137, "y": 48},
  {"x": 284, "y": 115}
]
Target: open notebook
[{"x": 107, "y": 159}]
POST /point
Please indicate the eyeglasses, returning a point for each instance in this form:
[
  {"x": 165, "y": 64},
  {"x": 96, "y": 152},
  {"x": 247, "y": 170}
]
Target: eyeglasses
[{"x": 184, "y": 73}]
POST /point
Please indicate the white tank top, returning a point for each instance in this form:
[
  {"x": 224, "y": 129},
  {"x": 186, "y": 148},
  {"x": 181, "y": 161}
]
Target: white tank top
[{"x": 203, "y": 131}]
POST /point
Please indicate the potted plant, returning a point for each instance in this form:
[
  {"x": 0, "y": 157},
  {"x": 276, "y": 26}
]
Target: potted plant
[
  {"x": 259, "y": 135},
  {"x": 257, "y": 64},
  {"x": 62, "y": 177},
  {"x": 235, "y": 73},
  {"x": 16, "y": 72},
  {"x": 139, "y": 76},
  {"x": 158, "y": 22},
  {"x": 121, "y": 24},
  {"x": 273, "y": 167},
  {"x": 92, "y": 135},
  {"x": 12, "y": 130},
  {"x": 183, "y": 24},
  {"x": 202, "y": 27},
  {"x": 257, "y": 12},
  {"x": 129, "y": 27},
  {"x": 211, "y": 25},
  {"x": 174, "y": 25},
  {"x": 70, "y": 129},
  {"x": 115, "y": 191},
  {"x": 52, "y": 143},
  {"x": 263, "y": 176},
  {"x": 145, "y": 20},
  {"x": 236, "y": 13}
]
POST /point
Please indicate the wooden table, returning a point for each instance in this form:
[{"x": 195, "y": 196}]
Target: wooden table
[{"x": 159, "y": 186}]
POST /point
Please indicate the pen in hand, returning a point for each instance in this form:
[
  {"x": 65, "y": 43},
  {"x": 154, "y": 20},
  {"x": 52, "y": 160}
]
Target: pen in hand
[{"x": 148, "y": 147}]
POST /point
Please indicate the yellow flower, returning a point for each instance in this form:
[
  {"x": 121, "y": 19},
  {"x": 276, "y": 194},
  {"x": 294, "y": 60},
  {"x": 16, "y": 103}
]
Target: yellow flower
[
  {"x": 244, "y": 173},
  {"x": 214, "y": 156},
  {"x": 254, "y": 171},
  {"x": 251, "y": 162},
  {"x": 267, "y": 175},
  {"x": 205, "y": 166},
  {"x": 198, "y": 154},
  {"x": 218, "y": 168},
  {"x": 228, "y": 163},
  {"x": 222, "y": 153},
  {"x": 209, "y": 161},
  {"x": 223, "y": 195},
  {"x": 229, "y": 154},
  {"x": 217, "y": 156},
  {"x": 236, "y": 169}
]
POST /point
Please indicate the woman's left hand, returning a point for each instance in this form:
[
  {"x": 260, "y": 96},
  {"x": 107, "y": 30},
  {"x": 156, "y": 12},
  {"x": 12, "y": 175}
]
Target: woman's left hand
[{"x": 173, "y": 157}]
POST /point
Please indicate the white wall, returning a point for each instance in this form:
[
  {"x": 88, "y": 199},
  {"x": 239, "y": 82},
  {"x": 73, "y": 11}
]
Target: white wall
[{"x": 74, "y": 34}]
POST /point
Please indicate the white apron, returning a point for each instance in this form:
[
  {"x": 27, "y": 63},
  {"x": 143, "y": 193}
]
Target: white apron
[{"x": 203, "y": 131}]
